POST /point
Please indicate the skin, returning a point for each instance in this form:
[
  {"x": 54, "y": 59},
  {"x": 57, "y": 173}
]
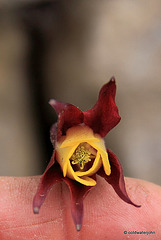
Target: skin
[{"x": 106, "y": 216}]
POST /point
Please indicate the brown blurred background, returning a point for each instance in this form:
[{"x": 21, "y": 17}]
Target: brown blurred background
[{"x": 67, "y": 50}]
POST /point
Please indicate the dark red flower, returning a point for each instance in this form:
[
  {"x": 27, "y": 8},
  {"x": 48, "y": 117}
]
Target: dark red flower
[{"x": 80, "y": 153}]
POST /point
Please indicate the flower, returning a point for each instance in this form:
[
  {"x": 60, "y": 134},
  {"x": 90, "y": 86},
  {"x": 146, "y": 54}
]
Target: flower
[{"x": 80, "y": 154}]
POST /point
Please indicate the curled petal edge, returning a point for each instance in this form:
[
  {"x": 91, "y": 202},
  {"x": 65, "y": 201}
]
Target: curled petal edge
[{"x": 116, "y": 178}]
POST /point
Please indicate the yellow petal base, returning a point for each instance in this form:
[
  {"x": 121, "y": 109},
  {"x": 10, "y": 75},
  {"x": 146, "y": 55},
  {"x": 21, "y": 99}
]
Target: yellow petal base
[{"x": 68, "y": 152}]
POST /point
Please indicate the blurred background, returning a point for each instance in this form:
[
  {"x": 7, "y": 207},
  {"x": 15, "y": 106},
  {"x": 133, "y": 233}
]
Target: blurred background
[{"x": 67, "y": 50}]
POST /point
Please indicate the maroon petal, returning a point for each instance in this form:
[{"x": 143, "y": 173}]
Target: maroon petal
[
  {"x": 78, "y": 192},
  {"x": 68, "y": 116},
  {"x": 53, "y": 134},
  {"x": 51, "y": 176},
  {"x": 104, "y": 115},
  {"x": 116, "y": 179},
  {"x": 58, "y": 106}
]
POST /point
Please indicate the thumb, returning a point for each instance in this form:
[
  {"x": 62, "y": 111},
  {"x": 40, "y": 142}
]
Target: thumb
[{"x": 106, "y": 216}]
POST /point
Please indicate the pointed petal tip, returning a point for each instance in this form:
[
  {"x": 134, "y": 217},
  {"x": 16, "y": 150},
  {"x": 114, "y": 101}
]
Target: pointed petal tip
[
  {"x": 52, "y": 102},
  {"x": 137, "y": 205},
  {"x": 78, "y": 227},
  {"x": 113, "y": 79},
  {"x": 36, "y": 210},
  {"x": 132, "y": 203}
]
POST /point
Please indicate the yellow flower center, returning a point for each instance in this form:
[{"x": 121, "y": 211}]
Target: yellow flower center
[{"x": 81, "y": 153}]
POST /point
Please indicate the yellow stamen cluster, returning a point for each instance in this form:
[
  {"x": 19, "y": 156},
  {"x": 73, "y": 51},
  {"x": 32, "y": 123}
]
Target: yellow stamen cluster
[{"x": 81, "y": 156}]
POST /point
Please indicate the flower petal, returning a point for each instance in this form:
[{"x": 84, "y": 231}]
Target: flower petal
[
  {"x": 58, "y": 106},
  {"x": 116, "y": 179},
  {"x": 104, "y": 115},
  {"x": 53, "y": 134},
  {"x": 78, "y": 193},
  {"x": 68, "y": 116},
  {"x": 103, "y": 153},
  {"x": 88, "y": 181},
  {"x": 63, "y": 157},
  {"x": 95, "y": 167},
  {"x": 77, "y": 135},
  {"x": 51, "y": 176}
]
